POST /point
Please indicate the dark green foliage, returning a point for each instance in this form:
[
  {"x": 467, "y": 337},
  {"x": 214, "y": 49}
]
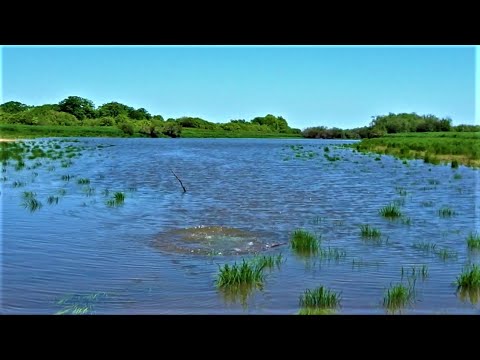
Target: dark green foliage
[{"x": 79, "y": 107}]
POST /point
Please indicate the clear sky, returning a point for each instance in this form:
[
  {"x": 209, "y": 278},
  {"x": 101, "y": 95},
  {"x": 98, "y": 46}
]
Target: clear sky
[{"x": 308, "y": 86}]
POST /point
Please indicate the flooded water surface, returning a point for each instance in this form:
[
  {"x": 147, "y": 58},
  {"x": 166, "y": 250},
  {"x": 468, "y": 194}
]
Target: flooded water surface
[{"x": 112, "y": 232}]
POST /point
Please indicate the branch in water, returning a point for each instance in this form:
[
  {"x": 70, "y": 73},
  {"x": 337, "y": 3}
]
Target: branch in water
[{"x": 180, "y": 181}]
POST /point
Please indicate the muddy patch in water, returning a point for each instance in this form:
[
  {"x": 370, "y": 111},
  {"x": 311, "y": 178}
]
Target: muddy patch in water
[{"x": 213, "y": 240}]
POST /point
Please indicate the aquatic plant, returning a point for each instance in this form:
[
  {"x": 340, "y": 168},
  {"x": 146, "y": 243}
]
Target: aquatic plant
[
  {"x": 368, "y": 231},
  {"x": 304, "y": 242},
  {"x": 331, "y": 253},
  {"x": 425, "y": 246},
  {"x": 399, "y": 296},
  {"x": 446, "y": 212},
  {"x": 446, "y": 254},
  {"x": 469, "y": 279},
  {"x": 246, "y": 273},
  {"x": 18, "y": 183},
  {"x": 473, "y": 241},
  {"x": 117, "y": 200},
  {"x": 79, "y": 304},
  {"x": 32, "y": 204},
  {"x": 52, "y": 200},
  {"x": 28, "y": 195},
  {"x": 427, "y": 203},
  {"x": 319, "y": 298},
  {"x": 415, "y": 272},
  {"x": 401, "y": 191},
  {"x": 454, "y": 164},
  {"x": 390, "y": 211},
  {"x": 457, "y": 176},
  {"x": 268, "y": 261},
  {"x": 83, "y": 181}
]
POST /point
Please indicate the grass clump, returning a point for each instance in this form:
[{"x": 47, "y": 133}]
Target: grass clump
[
  {"x": 304, "y": 242},
  {"x": 318, "y": 300},
  {"x": 473, "y": 241},
  {"x": 117, "y": 200},
  {"x": 390, "y": 211},
  {"x": 52, "y": 200},
  {"x": 246, "y": 273},
  {"x": 83, "y": 181},
  {"x": 446, "y": 254},
  {"x": 367, "y": 231},
  {"x": 454, "y": 164},
  {"x": 32, "y": 204},
  {"x": 446, "y": 212},
  {"x": 398, "y": 296},
  {"x": 469, "y": 279}
]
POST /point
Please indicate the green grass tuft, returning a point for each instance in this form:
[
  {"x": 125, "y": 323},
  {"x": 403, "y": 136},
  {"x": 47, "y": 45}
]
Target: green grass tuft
[
  {"x": 473, "y": 241},
  {"x": 446, "y": 212},
  {"x": 367, "y": 231},
  {"x": 304, "y": 242},
  {"x": 246, "y": 273},
  {"x": 319, "y": 299},
  {"x": 469, "y": 279},
  {"x": 390, "y": 211},
  {"x": 398, "y": 296}
]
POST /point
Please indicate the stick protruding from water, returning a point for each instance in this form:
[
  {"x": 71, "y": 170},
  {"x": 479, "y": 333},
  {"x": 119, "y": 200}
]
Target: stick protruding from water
[{"x": 180, "y": 181}]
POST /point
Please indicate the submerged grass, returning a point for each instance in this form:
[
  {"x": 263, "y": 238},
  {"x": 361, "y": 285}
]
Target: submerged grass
[
  {"x": 318, "y": 300},
  {"x": 446, "y": 212},
  {"x": 367, "y": 231},
  {"x": 446, "y": 254},
  {"x": 390, "y": 211},
  {"x": 117, "y": 200},
  {"x": 52, "y": 200},
  {"x": 304, "y": 242},
  {"x": 415, "y": 272},
  {"x": 268, "y": 261},
  {"x": 473, "y": 241},
  {"x": 425, "y": 246},
  {"x": 331, "y": 253},
  {"x": 469, "y": 279},
  {"x": 32, "y": 204}
]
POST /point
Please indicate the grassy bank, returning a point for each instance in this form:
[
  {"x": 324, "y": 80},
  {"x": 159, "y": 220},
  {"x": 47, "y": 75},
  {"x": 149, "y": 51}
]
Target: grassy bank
[
  {"x": 16, "y": 131},
  {"x": 436, "y": 147}
]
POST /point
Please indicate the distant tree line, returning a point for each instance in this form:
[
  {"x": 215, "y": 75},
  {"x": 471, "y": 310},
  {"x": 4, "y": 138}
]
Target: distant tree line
[
  {"x": 389, "y": 124},
  {"x": 78, "y": 111}
]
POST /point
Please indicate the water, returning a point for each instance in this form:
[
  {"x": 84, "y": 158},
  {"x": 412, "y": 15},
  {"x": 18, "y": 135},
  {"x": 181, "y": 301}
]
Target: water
[{"x": 82, "y": 247}]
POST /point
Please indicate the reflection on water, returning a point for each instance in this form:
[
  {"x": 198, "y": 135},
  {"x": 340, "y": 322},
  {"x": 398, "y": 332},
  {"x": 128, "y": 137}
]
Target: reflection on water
[{"x": 159, "y": 251}]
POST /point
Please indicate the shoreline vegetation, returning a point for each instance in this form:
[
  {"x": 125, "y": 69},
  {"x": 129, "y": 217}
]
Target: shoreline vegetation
[{"x": 405, "y": 136}]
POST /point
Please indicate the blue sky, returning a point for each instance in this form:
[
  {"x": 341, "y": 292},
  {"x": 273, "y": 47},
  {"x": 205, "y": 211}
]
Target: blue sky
[{"x": 307, "y": 85}]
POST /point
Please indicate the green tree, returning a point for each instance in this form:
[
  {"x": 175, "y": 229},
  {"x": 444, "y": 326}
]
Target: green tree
[
  {"x": 139, "y": 114},
  {"x": 114, "y": 109},
  {"x": 13, "y": 107},
  {"x": 79, "y": 107}
]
